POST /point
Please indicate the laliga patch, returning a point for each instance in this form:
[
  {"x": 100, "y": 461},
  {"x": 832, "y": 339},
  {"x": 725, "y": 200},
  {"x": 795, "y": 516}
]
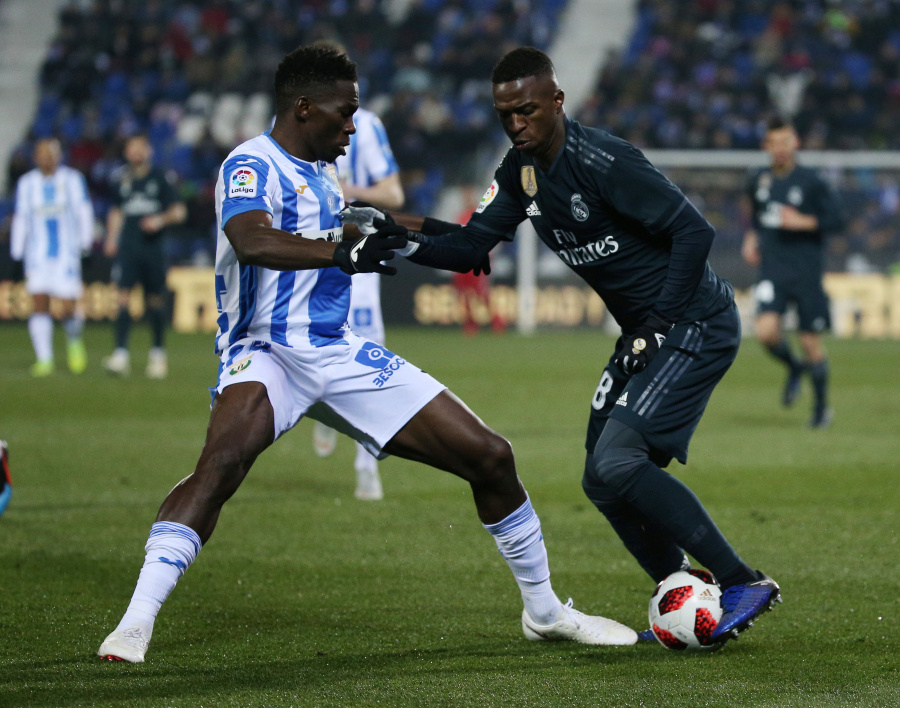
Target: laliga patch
[
  {"x": 243, "y": 182},
  {"x": 488, "y": 197}
]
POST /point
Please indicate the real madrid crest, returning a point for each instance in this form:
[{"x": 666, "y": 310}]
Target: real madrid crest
[
  {"x": 579, "y": 209},
  {"x": 529, "y": 183}
]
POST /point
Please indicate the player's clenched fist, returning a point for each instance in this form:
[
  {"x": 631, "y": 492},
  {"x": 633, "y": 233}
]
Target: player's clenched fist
[
  {"x": 642, "y": 345},
  {"x": 366, "y": 254}
]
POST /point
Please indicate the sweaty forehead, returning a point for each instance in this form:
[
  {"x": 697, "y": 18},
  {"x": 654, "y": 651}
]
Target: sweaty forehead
[{"x": 531, "y": 89}]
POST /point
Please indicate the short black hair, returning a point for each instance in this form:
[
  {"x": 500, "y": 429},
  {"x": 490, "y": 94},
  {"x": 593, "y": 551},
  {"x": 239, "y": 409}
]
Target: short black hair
[
  {"x": 310, "y": 71},
  {"x": 778, "y": 123},
  {"x": 521, "y": 63}
]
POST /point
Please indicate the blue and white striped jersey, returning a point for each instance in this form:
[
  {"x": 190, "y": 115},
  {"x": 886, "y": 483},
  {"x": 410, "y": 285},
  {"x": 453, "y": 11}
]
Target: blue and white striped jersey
[
  {"x": 369, "y": 158},
  {"x": 53, "y": 219},
  {"x": 305, "y": 308}
]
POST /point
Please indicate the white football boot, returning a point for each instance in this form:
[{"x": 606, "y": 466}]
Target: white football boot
[
  {"x": 576, "y": 626},
  {"x": 118, "y": 363},
  {"x": 157, "y": 364},
  {"x": 324, "y": 439},
  {"x": 129, "y": 644}
]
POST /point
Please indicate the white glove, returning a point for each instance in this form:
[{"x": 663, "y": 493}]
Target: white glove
[{"x": 363, "y": 218}]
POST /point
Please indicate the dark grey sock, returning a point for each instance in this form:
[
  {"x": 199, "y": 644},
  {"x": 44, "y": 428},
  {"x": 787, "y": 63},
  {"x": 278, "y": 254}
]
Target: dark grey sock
[
  {"x": 123, "y": 328},
  {"x": 818, "y": 372},
  {"x": 651, "y": 546},
  {"x": 782, "y": 352},
  {"x": 669, "y": 502},
  {"x": 156, "y": 316}
]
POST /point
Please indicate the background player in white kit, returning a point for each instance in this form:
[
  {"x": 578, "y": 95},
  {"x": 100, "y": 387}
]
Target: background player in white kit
[
  {"x": 286, "y": 352},
  {"x": 368, "y": 173},
  {"x": 52, "y": 226}
]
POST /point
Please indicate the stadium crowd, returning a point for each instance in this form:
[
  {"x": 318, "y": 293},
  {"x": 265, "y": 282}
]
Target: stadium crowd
[
  {"x": 194, "y": 76},
  {"x": 693, "y": 75},
  {"x": 707, "y": 74}
]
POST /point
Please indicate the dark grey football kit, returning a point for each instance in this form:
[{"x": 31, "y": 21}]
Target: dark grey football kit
[
  {"x": 141, "y": 258},
  {"x": 633, "y": 236},
  {"x": 792, "y": 262}
]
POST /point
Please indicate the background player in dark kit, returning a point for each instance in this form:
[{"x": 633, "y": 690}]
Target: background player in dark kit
[
  {"x": 635, "y": 239},
  {"x": 145, "y": 205},
  {"x": 793, "y": 211}
]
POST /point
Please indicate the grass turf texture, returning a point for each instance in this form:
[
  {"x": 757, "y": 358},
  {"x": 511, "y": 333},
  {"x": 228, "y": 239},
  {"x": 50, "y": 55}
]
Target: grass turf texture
[{"x": 307, "y": 597}]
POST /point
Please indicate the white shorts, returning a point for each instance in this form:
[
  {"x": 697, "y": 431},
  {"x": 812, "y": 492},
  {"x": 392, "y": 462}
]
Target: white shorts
[
  {"x": 362, "y": 390},
  {"x": 59, "y": 277},
  {"x": 365, "y": 306}
]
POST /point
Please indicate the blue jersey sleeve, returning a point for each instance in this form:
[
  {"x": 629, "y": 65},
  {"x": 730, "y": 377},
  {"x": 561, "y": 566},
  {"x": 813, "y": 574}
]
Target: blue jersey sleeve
[{"x": 245, "y": 178}]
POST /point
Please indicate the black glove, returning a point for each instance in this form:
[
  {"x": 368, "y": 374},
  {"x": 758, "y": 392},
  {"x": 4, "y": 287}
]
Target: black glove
[
  {"x": 483, "y": 267},
  {"x": 640, "y": 347},
  {"x": 366, "y": 254}
]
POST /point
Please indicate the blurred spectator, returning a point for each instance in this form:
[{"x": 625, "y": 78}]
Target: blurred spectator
[
  {"x": 192, "y": 77},
  {"x": 710, "y": 74}
]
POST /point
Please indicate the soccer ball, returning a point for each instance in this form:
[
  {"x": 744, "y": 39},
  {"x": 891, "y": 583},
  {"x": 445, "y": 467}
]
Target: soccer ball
[{"x": 685, "y": 609}]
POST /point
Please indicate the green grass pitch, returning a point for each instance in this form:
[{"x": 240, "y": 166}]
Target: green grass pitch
[{"x": 307, "y": 597}]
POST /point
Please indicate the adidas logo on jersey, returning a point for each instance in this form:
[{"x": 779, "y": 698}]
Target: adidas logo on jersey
[
  {"x": 533, "y": 210},
  {"x": 623, "y": 399}
]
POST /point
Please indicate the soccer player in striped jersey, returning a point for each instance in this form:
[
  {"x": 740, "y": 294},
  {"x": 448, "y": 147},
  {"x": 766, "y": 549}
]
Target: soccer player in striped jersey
[
  {"x": 52, "y": 226},
  {"x": 282, "y": 281},
  {"x": 368, "y": 173},
  {"x": 631, "y": 235}
]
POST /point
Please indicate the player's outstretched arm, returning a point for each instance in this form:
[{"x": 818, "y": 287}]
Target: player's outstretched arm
[
  {"x": 432, "y": 242},
  {"x": 256, "y": 242}
]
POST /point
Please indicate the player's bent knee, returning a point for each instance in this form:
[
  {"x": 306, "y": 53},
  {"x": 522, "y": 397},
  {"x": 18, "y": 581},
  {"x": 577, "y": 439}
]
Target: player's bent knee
[
  {"x": 617, "y": 467},
  {"x": 594, "y": 489},
  {"x": 619, "y": 456},
  {"x": 495, "y": 459},
  {"x": 768, "y": 330}
]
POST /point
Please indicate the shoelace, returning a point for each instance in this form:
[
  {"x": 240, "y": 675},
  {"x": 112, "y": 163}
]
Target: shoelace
[{"x": 573, "y": 613}]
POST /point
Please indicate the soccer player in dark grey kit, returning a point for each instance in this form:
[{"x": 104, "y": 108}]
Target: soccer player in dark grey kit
[
  {"x": 634, "y": 238},
  {"x": 145, "y": 205},
  {"x": 793, "y": 210}
]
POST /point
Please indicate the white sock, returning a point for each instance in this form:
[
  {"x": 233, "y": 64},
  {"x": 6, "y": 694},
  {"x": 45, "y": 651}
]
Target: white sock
[
  {"x": 171, "y": 548},
  {"x": 365, "y": 461},
  {"x": 40, "y": 327},
  {"x": 521, "y": 544},
  {"x": 74, "y": 326}
]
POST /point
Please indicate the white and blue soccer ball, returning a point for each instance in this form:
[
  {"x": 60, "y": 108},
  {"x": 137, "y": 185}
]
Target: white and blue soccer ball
[{"x": 685, "y": 609}]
